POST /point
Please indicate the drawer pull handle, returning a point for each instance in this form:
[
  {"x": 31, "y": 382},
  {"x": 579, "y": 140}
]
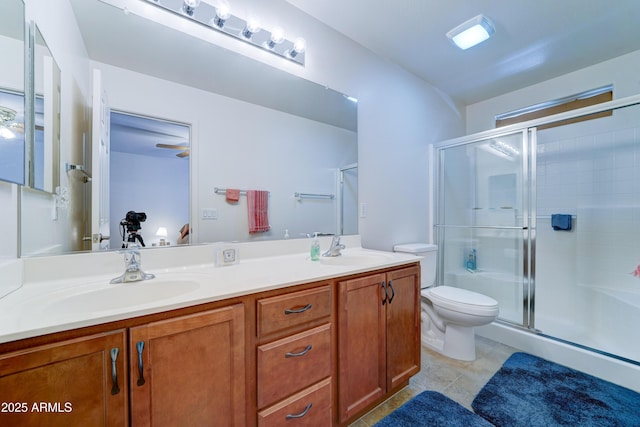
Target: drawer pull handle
[
  {"x": 302, "y": 353},
  {"x": 140, "y": 347},
  {"x": 393, "y": 292},
  {"x": 115, "y": 389},
  {"x": 298, "y": 310},
  {"x": 300, "y": 415}
]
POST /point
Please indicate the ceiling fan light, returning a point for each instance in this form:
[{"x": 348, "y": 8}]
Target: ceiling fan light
[
  {"x": 472, "y": 32},
  {"x": 6, "y": 133}
]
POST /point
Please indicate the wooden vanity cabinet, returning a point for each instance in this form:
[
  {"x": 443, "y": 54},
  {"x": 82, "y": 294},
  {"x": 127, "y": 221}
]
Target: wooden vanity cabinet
[
  {"x": 189, "y": 370},
  {"x": 294, "y": 358},
  {"x": 378, "y": 337},
  {"x": 68, "y": 383}
]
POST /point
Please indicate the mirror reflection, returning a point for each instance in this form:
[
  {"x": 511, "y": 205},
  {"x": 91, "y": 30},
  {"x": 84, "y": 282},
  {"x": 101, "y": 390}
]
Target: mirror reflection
[
  {"x": 12, "y": 106},
  {"x": 149, "y": 202},
  {"x": 46, "y": 144},
  {"x": 258, "y": 131}
]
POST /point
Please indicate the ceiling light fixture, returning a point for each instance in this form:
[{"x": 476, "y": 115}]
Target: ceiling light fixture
[
  {"x": 470, "y": 33},
  {"x": 221, "y": 19}
]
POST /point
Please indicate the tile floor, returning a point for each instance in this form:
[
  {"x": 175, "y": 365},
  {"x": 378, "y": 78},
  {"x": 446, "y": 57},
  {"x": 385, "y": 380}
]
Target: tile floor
[{"x": 458, "y": 380}]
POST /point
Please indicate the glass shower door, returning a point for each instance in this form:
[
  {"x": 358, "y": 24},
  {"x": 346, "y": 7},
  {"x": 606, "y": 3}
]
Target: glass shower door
[{"x": 482, "y": 220}]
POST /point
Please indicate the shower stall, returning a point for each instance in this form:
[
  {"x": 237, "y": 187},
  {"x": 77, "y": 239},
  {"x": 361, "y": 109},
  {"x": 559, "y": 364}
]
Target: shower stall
[{"x": 544, "y": 217}]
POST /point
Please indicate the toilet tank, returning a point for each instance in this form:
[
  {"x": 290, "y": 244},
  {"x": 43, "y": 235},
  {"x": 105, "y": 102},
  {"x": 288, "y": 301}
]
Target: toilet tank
[{"x": 427, "y": 263}]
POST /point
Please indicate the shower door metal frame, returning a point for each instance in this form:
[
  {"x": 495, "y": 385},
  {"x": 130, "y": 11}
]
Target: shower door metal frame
[
  {"x": 529, "y": 130},
  {"x": 527, "y": 246}
]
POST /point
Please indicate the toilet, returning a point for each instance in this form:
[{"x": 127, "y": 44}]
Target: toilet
[{"x": 449, "y": 314}]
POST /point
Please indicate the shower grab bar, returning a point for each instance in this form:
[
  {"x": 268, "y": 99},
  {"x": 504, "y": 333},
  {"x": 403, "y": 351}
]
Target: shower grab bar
[{"x": 495, "y": 227}]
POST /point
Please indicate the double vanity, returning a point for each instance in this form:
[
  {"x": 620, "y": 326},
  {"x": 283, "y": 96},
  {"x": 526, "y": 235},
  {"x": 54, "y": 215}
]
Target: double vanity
[{"x": 275, "y": 339}]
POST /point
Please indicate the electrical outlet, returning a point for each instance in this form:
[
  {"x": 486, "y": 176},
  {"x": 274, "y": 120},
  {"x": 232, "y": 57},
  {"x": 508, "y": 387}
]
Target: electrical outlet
[
  {"x": 229, "y": 255},
  {"x": 226, "y": 255}
]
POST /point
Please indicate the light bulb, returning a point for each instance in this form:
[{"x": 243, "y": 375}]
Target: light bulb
[
  {"x": 252, "y": 27},
  {"x": 277, "y": 37},
  {"x": 189, "y": 6},
  {"x": 6, "y": 133},
  {"x": 299, "y": 46},
  {"x": 222, "y": 14}
]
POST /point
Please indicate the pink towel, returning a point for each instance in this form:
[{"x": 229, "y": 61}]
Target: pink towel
[
  {"x": 233, "y": 195},
  {"x": 257, "y": 204}
]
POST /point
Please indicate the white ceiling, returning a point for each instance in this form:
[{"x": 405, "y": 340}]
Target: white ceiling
[{"x": 535, "y": 40}]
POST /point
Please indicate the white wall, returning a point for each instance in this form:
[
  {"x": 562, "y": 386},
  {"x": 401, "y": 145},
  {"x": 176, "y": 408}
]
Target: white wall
[{"x": 622, "y": 72}]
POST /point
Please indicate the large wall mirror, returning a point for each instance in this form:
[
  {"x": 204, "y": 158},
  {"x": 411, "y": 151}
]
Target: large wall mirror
[
  {"x": 249, "y": 126},
  {"x": 12, "y": 100}
]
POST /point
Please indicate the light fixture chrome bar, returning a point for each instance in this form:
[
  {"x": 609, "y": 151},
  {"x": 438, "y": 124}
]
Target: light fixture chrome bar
[{"x": 222, "y": 20}]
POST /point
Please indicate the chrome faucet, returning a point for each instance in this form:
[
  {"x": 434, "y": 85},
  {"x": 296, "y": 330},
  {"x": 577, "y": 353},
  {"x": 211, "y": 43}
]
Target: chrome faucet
[
  {"x": 133, "y": 267},
  {"x": 335, "y": 248}
]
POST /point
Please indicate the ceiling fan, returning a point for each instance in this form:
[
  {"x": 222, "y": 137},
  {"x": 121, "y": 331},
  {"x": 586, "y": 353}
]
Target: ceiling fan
[
  {"x": 7, "y": 124},
  {"x": 184, "y": 148}
]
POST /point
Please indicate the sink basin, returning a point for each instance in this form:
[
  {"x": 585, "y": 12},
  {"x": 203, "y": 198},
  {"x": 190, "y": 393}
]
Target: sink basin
[
  {"x": 355, "y": 259},
  {"x": 123, "y": 295}
]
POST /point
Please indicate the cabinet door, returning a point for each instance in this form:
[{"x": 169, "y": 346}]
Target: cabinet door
[
  {"x": 71, "y": 383},
  {"x": 189, "y": 370},
  {"x": 403, "y": 326},
  {"x": 361, "y": 335}
]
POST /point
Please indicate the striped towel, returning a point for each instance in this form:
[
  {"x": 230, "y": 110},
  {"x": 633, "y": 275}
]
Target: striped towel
[{"x": 257, "y": 204}]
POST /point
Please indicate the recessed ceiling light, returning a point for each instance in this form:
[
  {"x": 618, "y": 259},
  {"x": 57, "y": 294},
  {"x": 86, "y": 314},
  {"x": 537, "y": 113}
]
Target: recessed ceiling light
[{"x": 474, "y": 31}]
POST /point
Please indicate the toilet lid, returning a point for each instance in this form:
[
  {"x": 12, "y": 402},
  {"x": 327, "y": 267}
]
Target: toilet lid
[{"x": 450, "y": 296}]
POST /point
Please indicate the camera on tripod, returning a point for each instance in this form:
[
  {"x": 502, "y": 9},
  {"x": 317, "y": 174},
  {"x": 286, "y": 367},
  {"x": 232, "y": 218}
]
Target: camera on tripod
[{"x": 131, "y": 223}]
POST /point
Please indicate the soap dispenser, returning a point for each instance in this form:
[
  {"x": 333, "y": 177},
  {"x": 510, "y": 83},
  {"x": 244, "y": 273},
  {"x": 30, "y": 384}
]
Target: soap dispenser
[{"x": 315, "y": 248}]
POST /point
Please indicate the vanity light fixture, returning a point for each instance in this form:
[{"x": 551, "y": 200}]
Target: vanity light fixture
[
  {"x": 220, "y": 18},
  {"x": 299, "y": 46},
  {"x": 222, "y": 14},
  {"x": 189, "y": 6},
  {"x": 251, "y": 27},
  {"x": 277, "y": 37},
  {"x": 472, "y": 32}
]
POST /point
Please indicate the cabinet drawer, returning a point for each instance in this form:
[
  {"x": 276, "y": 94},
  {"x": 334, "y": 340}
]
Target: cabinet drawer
[
  {"x": 293, "y": 363},
  {"x": 310, "y": 407},
  {"x": 286, "y": 311}
]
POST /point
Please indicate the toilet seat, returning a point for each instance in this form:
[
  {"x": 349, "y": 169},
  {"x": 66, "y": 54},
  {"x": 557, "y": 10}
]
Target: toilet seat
[{"x": 461, "y": 300}]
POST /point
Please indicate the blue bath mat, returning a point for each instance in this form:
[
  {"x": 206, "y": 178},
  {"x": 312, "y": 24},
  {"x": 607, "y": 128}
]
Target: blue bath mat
[
  {"x": 432, "y": 409},
  {"x": 534, "y": 392}
]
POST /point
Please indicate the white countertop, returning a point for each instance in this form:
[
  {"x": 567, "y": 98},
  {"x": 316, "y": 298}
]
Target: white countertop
[{"x": 72, "y": 291}]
